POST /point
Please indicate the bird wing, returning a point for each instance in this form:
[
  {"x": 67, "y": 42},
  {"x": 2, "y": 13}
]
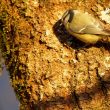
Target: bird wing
[
  {"x": 86, "y": 24},
  {"x": 90, "y": 29}
]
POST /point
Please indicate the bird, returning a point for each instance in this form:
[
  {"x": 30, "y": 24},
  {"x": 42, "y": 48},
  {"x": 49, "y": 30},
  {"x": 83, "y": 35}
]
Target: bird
[{"x": 83, "y": 26}]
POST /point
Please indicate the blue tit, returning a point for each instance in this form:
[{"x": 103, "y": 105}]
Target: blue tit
[{"x": 83, "y": 26}]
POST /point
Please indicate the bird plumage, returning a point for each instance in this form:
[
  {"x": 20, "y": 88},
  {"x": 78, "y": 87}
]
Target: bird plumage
[{"x": 83, "y": 26}]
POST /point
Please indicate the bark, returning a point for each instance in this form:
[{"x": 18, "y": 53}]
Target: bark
[{"x": 48, "y": 68}]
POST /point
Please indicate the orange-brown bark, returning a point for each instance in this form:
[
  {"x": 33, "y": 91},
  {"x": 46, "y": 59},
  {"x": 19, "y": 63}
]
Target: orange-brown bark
[{"x": 48, "y": 68}]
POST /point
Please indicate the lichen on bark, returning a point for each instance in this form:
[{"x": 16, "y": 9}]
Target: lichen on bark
[{"x": 48, "y": 69}]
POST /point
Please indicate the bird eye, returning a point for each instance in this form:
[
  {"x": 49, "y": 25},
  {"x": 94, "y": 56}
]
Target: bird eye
[
  {"x": 67, "y": 16},
  {"x": 71, "y": 14},
  {"x": 64, "y": 16}
]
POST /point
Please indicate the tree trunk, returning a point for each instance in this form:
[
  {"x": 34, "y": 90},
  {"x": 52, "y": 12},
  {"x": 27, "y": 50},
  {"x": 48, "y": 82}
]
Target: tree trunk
[{"x": 48, "y": 68}]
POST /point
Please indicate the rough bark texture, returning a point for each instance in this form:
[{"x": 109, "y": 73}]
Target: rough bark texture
[{"x": 48, "y": 68}]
